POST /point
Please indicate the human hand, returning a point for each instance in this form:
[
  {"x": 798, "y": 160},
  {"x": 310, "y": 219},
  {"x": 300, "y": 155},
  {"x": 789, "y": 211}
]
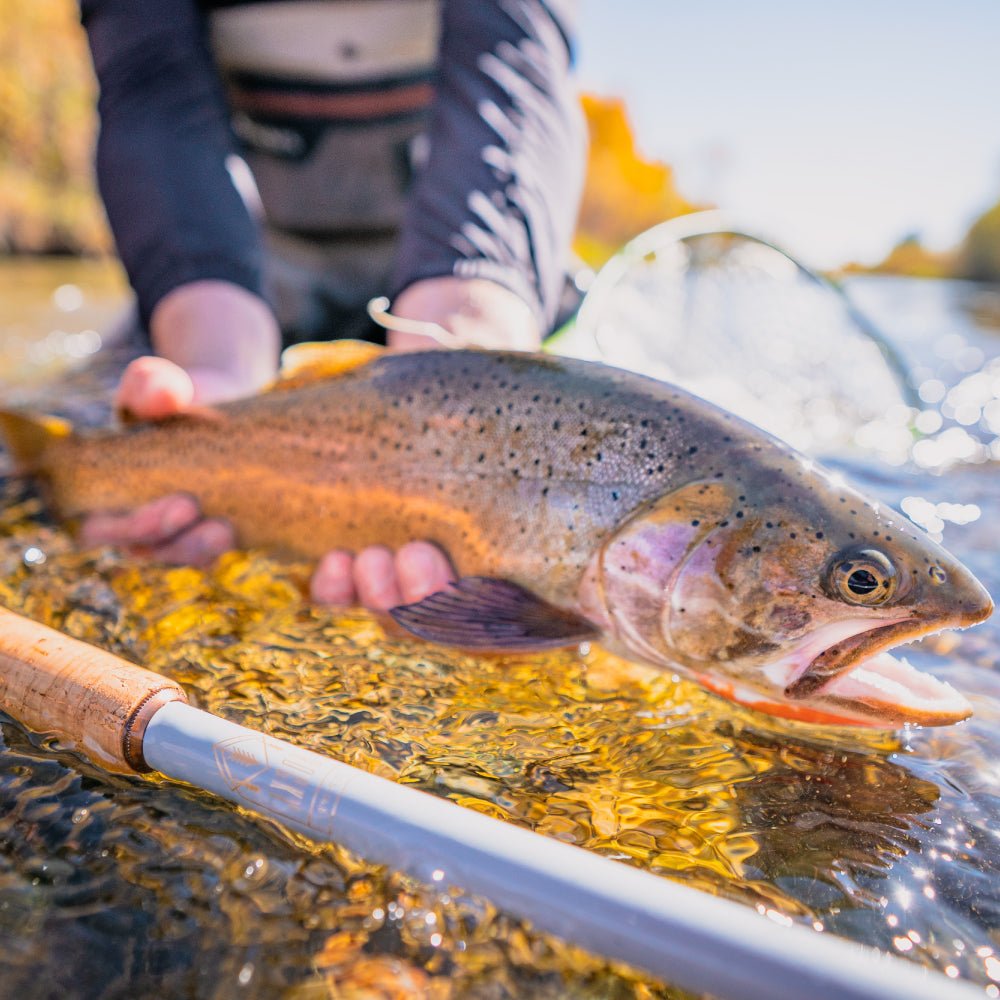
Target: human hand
[
  {"x": 220, "y": 342},
  {"x": 173, "y": 530},
  {"x": 214, "y": 341},
  {"x": 478, "y": 312}
]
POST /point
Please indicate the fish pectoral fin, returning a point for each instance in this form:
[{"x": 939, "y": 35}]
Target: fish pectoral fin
[
  {"x": 315, "y": 361},
  {"x": 28, "y": 435},
  {"x": 482, "y": 613}
]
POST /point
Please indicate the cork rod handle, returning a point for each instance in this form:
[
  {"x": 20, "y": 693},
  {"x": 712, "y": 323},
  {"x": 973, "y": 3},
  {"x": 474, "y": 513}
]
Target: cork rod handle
[{"x": 95, "y": 702}]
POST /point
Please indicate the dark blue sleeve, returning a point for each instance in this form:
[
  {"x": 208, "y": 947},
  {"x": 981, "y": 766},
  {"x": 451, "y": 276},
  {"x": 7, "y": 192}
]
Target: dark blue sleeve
[
  {"x": 161, "y": 153},
  {"x": 499, "y": 195}
]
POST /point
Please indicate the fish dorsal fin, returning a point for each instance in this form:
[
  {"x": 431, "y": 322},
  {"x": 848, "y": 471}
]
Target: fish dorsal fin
[
  {"x": 28, "y": 435},
  {"x": 482, "y": 613},
  {"x": 315, "y": 361}
]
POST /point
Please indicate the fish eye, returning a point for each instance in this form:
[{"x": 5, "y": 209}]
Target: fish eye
[{"x": 862, "y": 576}]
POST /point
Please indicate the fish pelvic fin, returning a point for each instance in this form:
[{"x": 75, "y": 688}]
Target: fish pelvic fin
[
  {"x": 316, "y": 361},
  {"x": 28, "y": 436},
  {"x": 485, "y": 614}
]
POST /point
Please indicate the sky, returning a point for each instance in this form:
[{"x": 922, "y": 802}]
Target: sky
[{"x": 835, "y": 128}]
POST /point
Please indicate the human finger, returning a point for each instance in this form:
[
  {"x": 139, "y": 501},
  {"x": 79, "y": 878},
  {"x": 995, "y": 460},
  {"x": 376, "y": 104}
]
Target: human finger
[
  {"x": 333, "y": 582},
  {"x": 421, "y": 569},
  {"x": 198, "y": 546},
  {"x": 151, "y": 524},
  {"x": 152, "y": 388},
  {"x": 375, "y": 578}
]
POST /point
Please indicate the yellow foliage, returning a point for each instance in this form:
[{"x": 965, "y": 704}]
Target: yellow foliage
[
  {"x": 909, "y": 258},
  {"x": 980, "y": 251},
  {"x": 624, "y": 193},
  {"x": 47, "y": 127}
]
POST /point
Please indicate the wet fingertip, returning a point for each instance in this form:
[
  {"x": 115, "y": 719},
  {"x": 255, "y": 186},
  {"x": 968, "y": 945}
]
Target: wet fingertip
[
  {"x": 332, "y": 583},
  {"x": 179, "y": 512},
  {"x": 375, "y": 578},
  {"x": 217, "y": 536},
  {"x": 152, "y": 388},
  {"x": 422, "y": 569}
]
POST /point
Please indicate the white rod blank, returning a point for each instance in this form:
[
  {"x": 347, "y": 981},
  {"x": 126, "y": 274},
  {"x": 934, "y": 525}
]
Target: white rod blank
[{"x": 688, "y": 938}]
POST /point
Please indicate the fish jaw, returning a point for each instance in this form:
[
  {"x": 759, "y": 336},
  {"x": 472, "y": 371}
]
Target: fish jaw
[
  {"x": 884, "y": 692},
  {"x": 880, "y": 690}
]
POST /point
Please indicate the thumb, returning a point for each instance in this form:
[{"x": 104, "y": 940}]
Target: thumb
[{"x": 152, "y": 388}]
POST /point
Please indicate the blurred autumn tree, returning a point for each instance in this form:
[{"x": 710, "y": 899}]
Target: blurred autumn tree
[
  {"x": 624, "y": 193},
  {"x": 911, "y": 258},
  {"x": 47, "y": 121},
  {"x": 979, "y": 255},
  {"x": 976, "y": 258}
]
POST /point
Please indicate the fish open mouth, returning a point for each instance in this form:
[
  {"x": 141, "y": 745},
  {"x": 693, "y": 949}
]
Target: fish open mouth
[
  {"x": 842, "y": 673},
  {"x": 848, "y": 652},
  {"x": 896, "y": 692}
]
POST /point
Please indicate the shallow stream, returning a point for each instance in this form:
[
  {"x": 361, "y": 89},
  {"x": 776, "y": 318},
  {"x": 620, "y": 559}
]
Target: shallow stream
[{"x": 124, "y": 887}]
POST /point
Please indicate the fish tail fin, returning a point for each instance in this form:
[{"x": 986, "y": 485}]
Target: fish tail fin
[{"x": 28, "y": 436}]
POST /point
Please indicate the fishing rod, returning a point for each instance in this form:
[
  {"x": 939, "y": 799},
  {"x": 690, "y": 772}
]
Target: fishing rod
[{"x": 130, "y": 720}]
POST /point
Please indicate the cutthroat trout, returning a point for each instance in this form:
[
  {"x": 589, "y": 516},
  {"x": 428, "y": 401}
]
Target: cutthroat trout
[{"x": 576, "y": 501}]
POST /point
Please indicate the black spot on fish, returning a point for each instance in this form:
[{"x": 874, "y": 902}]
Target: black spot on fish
[{"x": 819, "y": 534}]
